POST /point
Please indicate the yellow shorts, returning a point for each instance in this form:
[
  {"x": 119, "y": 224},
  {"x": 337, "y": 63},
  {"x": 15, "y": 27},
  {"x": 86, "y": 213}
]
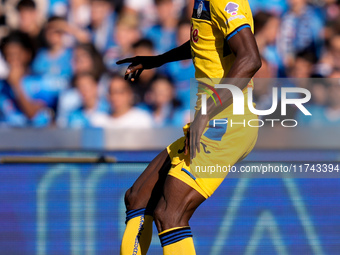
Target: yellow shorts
[{"x": 222, "y": 145}]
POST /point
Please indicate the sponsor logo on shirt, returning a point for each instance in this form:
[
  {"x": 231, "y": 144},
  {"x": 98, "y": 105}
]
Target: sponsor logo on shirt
[
  {"x": 194, "y": 34},
  {"x": 236, "y": 17},
  {"x": 231, "y": 8}
]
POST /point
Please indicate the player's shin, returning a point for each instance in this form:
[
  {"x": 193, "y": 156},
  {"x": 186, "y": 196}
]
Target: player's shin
[
  {"x": 138, "y": 233},
  {"x": 177, "y": 241}
]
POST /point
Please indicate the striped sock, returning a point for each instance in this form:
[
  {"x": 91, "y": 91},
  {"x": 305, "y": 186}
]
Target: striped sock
[
  {"x": 138, "y": 233},
  {"x": 177, "y": 241}
]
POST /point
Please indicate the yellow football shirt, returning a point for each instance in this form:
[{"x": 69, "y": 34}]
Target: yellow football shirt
[{"x": 213, "y": 23}]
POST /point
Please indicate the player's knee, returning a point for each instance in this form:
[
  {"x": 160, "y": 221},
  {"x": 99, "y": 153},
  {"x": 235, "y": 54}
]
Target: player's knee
[{"x": 166, "y": 219}]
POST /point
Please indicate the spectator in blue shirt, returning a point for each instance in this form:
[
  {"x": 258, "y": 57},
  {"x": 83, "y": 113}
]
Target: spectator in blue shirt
[
  {"x": 92, "y": 107},
  {"x": 19, "y": 108},
  {"x": 102, "y": 24},
  {"x": 165, "y": 109},
  {"x": 127, "y": 32},
  {"x": 123, "y": 114},
  {"x": 301, "y": 30},
  {"x": 163, "y": 35},
  {"x": 55, "y": 60},
  {"x": 85, "y": 59}
]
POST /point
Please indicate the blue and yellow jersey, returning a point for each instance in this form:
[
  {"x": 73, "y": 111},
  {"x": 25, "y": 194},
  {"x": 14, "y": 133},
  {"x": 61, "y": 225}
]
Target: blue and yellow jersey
[{"x": 213, "y": 23}]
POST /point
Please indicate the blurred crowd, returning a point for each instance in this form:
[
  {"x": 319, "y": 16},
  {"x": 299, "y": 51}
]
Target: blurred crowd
[{"x": 58, "y": 60}]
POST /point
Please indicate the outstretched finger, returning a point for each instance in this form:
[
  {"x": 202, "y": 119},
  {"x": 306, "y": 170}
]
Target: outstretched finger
[{"x": 126, "y": 60}]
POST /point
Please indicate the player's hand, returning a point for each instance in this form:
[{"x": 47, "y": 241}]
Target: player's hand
[
  {"x": 194, "y": 134},
  {"x": 139, "y": 64}
]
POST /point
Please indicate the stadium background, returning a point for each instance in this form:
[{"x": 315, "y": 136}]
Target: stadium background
[{"x": 53, "y": 52}]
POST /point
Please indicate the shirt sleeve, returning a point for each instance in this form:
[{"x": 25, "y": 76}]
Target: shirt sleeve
[{"x": 230, "y": 17}]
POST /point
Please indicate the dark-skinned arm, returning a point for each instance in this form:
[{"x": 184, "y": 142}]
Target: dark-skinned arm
[
  {"x": 140, "y": 63},
  {"x": 246, "y": 64}
]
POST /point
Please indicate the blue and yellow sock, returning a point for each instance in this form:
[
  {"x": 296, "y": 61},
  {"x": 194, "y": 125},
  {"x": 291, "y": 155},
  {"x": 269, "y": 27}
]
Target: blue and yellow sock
[
  {"x": 138, "y": 233},
  {"x": 177, "y": 241}
]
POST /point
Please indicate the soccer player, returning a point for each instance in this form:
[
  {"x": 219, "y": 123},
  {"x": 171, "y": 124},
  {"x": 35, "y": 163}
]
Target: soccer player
[{"x": 222, "y": 45}]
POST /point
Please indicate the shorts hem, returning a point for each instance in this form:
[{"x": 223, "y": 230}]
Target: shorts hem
[{"x": 195, "y": 187}]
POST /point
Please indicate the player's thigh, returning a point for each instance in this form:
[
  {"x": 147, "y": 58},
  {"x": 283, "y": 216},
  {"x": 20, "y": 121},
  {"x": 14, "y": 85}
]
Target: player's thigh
[
  {"x": 177, "y": 204},
  {"x": 147, "y": 189}
]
